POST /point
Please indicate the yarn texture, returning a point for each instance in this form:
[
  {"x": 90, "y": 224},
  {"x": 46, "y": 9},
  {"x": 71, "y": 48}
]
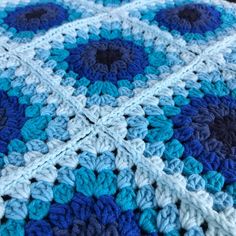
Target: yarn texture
[{"x": 118, "y": 118}]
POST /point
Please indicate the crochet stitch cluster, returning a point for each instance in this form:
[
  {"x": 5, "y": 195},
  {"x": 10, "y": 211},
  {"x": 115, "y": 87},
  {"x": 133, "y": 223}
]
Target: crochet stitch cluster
[{"x": 118, "y": 118}]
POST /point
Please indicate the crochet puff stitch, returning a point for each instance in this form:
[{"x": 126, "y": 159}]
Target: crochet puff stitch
[{"x": 117, "y": 118}]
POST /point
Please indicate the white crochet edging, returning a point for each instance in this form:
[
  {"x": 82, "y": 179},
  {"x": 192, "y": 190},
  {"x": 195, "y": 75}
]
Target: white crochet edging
[
  {"x": 225, "y": 224},
  {"x": 76, "y": 24},
  {"x": 108, "y": 112},
  {"x": 170, "y": 80}
]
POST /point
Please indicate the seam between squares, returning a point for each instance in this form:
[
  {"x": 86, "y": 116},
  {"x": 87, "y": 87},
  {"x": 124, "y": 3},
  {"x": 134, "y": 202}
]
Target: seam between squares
[
  {"x": 170, "y": 80},
  {"x": 147, "y": 93},
  {"x": 93, "y": 19},
  {"x": 15, "y": 177},
  {"x": 191, "y": 198},
  {"x": 176, "y": 186},
  {"x": 47, "y": 78},
  {"x": 26, "y": 172},
  {"x": 182, "y": 193},
  {"x": 84, "y": 21},
  {"x": 86, "y": 4},
  {"x": 79, "y": 23}
]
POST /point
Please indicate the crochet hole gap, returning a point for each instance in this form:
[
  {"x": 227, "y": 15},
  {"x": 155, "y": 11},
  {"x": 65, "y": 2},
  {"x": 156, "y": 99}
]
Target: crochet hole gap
[
  {"x": 35, "y": 14},
  {"x": 223, "y": 129},
  {"x": 204, "y": 226},
  {"x": 108, "y": 56},
  {"x": 189, "y": 14}
]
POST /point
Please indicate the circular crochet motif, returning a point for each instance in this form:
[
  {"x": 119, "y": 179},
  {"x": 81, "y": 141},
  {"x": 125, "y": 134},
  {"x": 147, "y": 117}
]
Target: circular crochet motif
[
  {"x": 12, "y": 119},
  {"x": 108, "y": 60},
  {"x": 190, "y": 18},
  {"x": 36, "y": 17},
  {"x": 207, "y": 129}
]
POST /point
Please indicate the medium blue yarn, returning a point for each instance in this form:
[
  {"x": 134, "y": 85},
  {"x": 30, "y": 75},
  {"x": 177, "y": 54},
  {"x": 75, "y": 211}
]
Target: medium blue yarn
[
  {"x": 194, "y": 231},
  {"x": 36, "y": 17},
  {"x": 42, "y": 190},
  {"x": 15, "y": 158},
  {"x": 222, "y": 201},
  {"x": 111, "y": 112},
  {"x": 16, "y": 209},
  {"x": 168, "y": 219}
]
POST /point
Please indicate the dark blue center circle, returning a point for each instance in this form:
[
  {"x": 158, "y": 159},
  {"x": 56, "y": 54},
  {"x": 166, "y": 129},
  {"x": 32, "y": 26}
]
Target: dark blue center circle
[
  {"x": 108, "y": 60},
  {"x": 208, "y": 123},
  {"x": 223, "y": 129},
  {"x": 207, "y": 129},
  {"x": 190, "y": 18},
  {"x": 36, "y": 17}
]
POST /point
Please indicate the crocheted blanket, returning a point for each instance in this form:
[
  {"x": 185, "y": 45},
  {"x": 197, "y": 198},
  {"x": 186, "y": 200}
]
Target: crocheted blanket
[{"x": 117, "y": 117}]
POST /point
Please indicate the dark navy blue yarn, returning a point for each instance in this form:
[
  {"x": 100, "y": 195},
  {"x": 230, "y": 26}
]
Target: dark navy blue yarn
[
  {"x": 207, "y": 129},
  {"x": 102, "y": 217},
  {"x": 190, "y": 18},
  {"x": 107, "y": 60},
  {"x": 38, "y": 228},
  {"x": 36, "y": 17},
  {"x": 86, "y": 215},
  {"x": 12, "y": 119}
]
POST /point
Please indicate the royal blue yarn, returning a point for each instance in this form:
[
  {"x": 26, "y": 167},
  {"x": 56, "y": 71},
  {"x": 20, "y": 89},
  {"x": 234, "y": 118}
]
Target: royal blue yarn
[
  {"x": 82, "y": 206},
  {"x": 12, "y": 119},
  {"x": 107, "y": 60},
  {"x": 128, "y": 225},
  {"x": 106, "y": 210},
  {"x": 88, "y": 216},
  {"x": 190, "y": 18},
  {"x": 207, "y": 129},
  {"x": 38, "y": 228},
  {"x": 36, "y": 17},
  {"x": 60, "y": 215}
]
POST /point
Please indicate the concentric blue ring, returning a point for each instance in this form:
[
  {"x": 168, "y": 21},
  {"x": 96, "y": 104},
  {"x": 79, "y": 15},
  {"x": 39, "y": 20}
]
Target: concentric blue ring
[
  {"x": 36, "y": 17},
  {"x": 190, "y": 18},
  {"x": 108, "y": 60},
  {"x": 207, "y": 129}
]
